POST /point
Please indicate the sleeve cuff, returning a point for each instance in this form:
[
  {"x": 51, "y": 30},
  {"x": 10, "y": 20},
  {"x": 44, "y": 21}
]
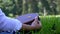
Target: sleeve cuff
[{"x": 18, "y": 26}]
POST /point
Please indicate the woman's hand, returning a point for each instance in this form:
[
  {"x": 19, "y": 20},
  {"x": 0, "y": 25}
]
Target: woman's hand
[{"x": 36, "y": 24}]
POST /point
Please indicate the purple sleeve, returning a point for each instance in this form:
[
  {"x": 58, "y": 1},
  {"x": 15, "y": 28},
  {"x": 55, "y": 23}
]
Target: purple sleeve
[
  {"x": 9, "y": 24},
  {"x": 12, "y": 24}
]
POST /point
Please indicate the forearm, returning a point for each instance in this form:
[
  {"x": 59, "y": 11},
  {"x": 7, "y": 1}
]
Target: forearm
[
  {"x": 27, "y": 27},
  {"x": 30, "y": 27}
]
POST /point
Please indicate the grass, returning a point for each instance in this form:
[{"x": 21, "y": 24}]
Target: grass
[
  {"x": 50, "y": 25},
  {"x": 47, "y": 23}
]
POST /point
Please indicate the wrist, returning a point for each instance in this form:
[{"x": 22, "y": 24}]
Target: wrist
[{"x": 33, "y": 27}]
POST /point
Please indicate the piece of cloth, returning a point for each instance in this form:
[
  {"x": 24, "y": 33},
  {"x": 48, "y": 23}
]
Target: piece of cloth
[
  {"x": 7, "y": 33},
  {"x": 9, "y": 24}
]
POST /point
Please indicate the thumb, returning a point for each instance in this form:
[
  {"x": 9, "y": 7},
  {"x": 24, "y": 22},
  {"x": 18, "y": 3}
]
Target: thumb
[{"x": 36, "y": 19}]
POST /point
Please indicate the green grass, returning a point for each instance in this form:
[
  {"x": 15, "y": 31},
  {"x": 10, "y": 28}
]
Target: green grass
[{"x": 47, "y": 24}]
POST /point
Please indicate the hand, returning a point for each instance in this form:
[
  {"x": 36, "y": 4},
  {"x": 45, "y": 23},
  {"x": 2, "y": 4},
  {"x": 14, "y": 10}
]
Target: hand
[
  {"x": 35, "y": 23},
  {"x": 33, "y": 26}
]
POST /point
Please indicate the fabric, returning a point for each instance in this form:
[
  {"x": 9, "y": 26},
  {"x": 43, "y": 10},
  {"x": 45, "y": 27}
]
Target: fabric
[
  {"x": 9, "y": 24},
  {"x": 6, "y": 32},
  {"x": 27, "y": 17}
]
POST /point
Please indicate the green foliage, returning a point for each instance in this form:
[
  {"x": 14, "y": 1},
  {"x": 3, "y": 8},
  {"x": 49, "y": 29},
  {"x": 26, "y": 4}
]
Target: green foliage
[
  {"x": 18, "y": 7},
  {"x": 48, "y": 26},
  {"x": 47, "y": 23}
]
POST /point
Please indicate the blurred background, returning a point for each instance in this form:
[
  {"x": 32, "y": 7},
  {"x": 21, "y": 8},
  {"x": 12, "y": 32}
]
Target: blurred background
[
  {"x": 18, "y": 7},
  {"x": 48, "y": 10}
]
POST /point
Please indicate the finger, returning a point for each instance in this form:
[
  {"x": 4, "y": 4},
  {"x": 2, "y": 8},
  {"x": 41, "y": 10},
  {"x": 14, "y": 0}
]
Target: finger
[{"x": 36, "y": 19}]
